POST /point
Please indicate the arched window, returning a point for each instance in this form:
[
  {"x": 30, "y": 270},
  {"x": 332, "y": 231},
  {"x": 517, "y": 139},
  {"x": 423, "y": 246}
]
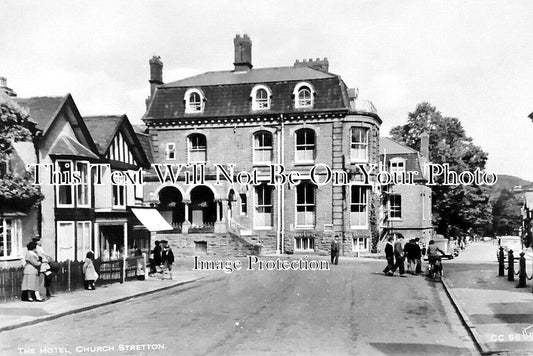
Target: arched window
[
  {"x": 303, "y": 95},
  {"x": 263, "y": 147},
  {"x": 197, "y": 148},
  {"x": 194, "y": 101},
  {"x": 261, "y": 97},
  {"x": 305, "y": 146}
]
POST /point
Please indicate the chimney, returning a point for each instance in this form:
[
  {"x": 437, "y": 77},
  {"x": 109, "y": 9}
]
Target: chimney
[
  {"x": 320, "y": 64},
  {"x": 243, "y": 53},
  {"x": 156, "y": 73},
  {"x": 5, "y": 88},
  {"x": 424, "y": 144},
  {"x": 156, "y": 76}
]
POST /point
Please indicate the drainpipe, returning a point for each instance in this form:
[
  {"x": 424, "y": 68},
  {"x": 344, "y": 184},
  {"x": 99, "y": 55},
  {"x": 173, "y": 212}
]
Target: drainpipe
[
  {"x": 278, "y": 192},
  {"x": 282, "y": 187}
]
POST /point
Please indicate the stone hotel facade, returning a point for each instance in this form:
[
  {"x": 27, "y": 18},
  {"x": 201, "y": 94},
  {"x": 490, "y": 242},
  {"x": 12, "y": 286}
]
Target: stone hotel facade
[{"x": 297, "y": 116}]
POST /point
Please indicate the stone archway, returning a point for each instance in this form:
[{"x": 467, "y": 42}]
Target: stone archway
[
  {"x": 171, "y": 205},
  {"x": 203, "y": 208}
]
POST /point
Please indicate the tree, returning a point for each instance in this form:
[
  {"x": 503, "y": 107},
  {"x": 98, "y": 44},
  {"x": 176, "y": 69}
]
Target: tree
[
  {"x": 506, "y": 214},
  {"x": 16, "y": 189},
  {"x": 456, "y": 209}
]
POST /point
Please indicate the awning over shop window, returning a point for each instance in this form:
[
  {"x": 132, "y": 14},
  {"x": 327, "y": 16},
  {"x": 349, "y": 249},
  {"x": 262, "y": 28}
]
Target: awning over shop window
[{"x": 151, "y": 219}]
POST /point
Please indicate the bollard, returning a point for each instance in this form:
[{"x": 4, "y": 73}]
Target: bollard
[
  {"x": 510, "y": 269},
  {"x": 522, "y": 272},
  {"x": 501, "y": 263}
]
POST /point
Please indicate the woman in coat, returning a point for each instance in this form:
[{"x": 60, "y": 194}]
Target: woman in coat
[
  {"x": 89, "y": 272},
  {"x": 30, "y": 281}
]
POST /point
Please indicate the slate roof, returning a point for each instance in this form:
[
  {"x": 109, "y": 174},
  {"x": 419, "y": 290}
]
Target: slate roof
[
  {"x": 146, "y": 144},
  {"x": 43, "y": 110},
  {"x": 259, "y": 75},
  {"x": 389, "y": 146},
  {"x": 227, "y": 93},
  {"x": 103, "y": 129},
  {"x": 66, "y": 146}
]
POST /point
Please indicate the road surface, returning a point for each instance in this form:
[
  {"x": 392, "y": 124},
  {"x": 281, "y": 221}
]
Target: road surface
[{"x": 352, "y": 309}]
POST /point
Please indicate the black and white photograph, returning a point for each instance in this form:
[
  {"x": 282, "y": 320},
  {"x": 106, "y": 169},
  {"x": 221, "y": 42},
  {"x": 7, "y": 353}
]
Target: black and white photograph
[{"x": 266, "y": 178}]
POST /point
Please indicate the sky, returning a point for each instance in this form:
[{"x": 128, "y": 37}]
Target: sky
[{"x": 471, "y": 59}]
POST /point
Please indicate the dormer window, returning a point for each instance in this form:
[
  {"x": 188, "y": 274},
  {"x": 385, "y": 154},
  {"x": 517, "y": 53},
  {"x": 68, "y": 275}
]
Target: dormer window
[
  {"x": 303, "y": 96},
  {"x": 261, "y": 97},
  {"x": 194, "y": 101}
]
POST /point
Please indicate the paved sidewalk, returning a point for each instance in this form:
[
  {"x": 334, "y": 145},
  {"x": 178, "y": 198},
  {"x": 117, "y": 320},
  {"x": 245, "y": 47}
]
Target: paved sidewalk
[
  {"x": 499, "y": 315},
  {"x": 17, "y": 314}
]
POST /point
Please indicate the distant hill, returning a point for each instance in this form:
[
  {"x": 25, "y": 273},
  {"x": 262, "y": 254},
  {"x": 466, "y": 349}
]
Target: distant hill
[{"x": 507, "y": 182}]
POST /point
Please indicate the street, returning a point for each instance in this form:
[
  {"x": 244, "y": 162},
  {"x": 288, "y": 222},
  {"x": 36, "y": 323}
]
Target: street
[{"x": 352, "y": 309}]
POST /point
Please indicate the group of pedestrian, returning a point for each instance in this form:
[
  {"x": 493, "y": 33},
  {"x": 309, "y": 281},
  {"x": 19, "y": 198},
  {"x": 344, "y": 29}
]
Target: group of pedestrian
[
  {"x": 162, "y": 257},
  {"x": 396, "y": 252},
  {"x": 37, "y": 272}
]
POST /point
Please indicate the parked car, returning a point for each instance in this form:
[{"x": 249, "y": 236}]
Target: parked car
[{"x": 510, "y": 243}]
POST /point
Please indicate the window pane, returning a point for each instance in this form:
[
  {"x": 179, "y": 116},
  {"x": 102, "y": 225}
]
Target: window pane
[
  {"x": 358, "y": 206},
  {"x": 359, "y": 144},
  {"x": 263, "y": 214},
  {"x": 263, "y": 147},
  {"x": 83, "y": 187},
  {"x": 65, "y": 191},
  {"x": 65, "y": 241},
  {"x": 304, "y": 97},
  {"x": 83, "y": 239}
]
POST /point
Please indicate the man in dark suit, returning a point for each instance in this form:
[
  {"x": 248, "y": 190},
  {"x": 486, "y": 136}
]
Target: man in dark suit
[
  {"x": 335, "y": 250},
  {"x": 389, "y": 255},
  {"x": 155, "y": 261}
]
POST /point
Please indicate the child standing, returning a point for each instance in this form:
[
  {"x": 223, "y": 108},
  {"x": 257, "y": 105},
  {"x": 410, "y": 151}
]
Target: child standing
[{"x": 89, "y": 272}]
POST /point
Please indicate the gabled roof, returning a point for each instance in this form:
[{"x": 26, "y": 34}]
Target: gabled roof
[
  {"x": 46, "y": 110},
  {"x": 259, "y": 75},
  {"x": 43, "y": 110},
  {"x": 146, "y": 144},
  {"x": 65, "y": 146},
  {"x": 389, "y": 149},
  {"x": 389, "y": 146},
  {"x": 104, "y": 129}
]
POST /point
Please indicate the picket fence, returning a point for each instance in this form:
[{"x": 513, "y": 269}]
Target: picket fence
[{"x": 69, "y": 276}]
